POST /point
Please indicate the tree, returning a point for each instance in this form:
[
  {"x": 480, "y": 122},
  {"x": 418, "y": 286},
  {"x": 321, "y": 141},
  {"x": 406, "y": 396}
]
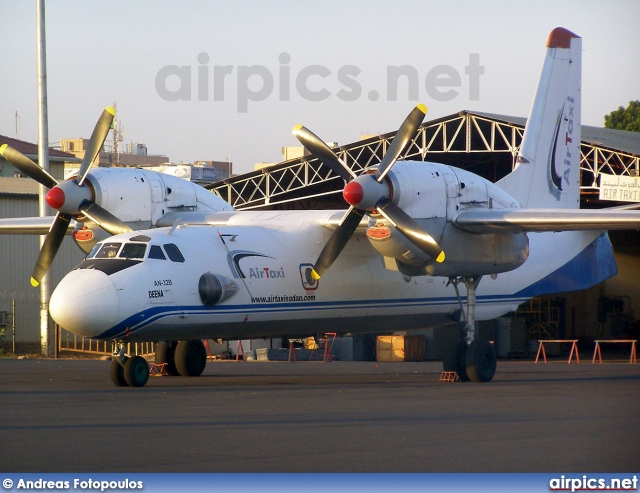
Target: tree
[{"x": 624, "y": 119}]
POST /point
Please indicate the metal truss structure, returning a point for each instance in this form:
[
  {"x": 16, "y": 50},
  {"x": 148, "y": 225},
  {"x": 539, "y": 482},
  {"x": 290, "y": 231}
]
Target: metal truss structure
[{"x": 483, "y": 143}]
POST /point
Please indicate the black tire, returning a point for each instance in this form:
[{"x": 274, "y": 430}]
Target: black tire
[
  {"x": 481, "y": 361},
  {"x": 165, "y": 353},
  {"x": 190, "y": 358},
  {"x": 136, "y": 371},
  {"x": 454, "y": 359},
  {"x": 117, "y": 373}
]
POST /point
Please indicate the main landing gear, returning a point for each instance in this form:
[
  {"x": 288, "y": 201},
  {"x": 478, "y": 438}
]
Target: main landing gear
[
  {"x": 472, "y": 359},
  {"x": 181, "y": 358}
]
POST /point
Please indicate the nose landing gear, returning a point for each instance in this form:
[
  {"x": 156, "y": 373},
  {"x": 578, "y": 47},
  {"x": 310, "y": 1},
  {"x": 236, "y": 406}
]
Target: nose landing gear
[{"x": 128, "y": 371}]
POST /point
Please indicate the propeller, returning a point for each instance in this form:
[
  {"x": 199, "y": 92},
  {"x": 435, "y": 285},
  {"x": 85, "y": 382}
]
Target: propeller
[
  {"x": 71, "y": 198},
  {"x": 369, "y": 194},
  {"x": 323, "y": 152}
]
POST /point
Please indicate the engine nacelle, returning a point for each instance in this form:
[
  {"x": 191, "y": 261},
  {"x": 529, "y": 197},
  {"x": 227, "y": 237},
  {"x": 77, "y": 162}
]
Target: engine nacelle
[
  {"x": 141, "y": 198},
  {"x": 389, "y": 242},
  {"x": 432, "y": 194},
  {"x": 470, "y": 254}
]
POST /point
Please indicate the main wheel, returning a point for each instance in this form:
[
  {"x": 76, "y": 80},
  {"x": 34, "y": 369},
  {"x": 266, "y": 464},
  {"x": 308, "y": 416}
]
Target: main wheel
[
  {"x": 165, "y": 353},
  {"x": 136, "y": 371},
  {"x": 117, "y": 373},
  {"x": 454, "y": 359},
  {"x": 190, "y": 358},
  {"x": 481, "y": 361}
]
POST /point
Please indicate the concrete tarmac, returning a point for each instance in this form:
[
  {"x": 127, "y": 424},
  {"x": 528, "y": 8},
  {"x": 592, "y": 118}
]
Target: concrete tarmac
[{"x": 66, "y": 416}]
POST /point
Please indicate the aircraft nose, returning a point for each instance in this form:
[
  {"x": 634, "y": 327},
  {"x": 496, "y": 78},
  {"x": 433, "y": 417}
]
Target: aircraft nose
[{"x": 85, "y": 303}]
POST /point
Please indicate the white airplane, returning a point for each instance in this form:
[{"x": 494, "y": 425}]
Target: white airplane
[{"x": 412, "y": 229}]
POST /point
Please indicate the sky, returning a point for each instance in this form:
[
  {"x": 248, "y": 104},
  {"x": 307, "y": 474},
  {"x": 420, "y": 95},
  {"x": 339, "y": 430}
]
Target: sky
[{"x": 213, "y": 80}]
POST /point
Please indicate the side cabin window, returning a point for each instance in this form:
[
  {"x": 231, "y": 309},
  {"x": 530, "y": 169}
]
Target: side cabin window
[
  {"x": 156, "y": 252},
  {"x": 173, "y": 252}
]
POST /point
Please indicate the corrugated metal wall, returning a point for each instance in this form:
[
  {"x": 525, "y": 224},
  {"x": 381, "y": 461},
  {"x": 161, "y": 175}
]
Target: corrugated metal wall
[{"x": 18, "y": 254}]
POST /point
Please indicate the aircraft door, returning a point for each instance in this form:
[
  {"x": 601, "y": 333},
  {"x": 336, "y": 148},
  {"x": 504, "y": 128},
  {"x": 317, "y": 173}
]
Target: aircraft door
[{"x": 156, "y": 191}]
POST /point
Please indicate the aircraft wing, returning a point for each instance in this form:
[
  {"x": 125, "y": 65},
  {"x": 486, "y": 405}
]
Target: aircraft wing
[
  {"x": 540, "y": 220},
  {"x": 30, "y": 225},
  {"x": 192, "y": 217},
  {"x": 336, "y": 218},
  {"x": 333, "y": 219}
]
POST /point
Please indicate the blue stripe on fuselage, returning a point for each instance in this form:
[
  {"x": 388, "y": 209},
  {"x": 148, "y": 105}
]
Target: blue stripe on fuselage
[{"x": 146, "y": 317}]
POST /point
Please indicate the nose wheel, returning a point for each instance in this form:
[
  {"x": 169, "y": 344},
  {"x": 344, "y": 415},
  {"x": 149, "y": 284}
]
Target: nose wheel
[{"x": 128, "y": 371}]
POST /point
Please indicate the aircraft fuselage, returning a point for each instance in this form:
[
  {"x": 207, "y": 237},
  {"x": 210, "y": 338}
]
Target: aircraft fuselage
[{"x": 247, "y": 279}]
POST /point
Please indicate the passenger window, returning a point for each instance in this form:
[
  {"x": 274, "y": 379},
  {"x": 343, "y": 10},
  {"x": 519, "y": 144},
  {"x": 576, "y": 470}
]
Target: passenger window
[
  {"x": 173, "y": 252},
  {"x": 156, "y": 252},
  {"x": 109, "y": 250},
  {"x": 133, "y": 250}
]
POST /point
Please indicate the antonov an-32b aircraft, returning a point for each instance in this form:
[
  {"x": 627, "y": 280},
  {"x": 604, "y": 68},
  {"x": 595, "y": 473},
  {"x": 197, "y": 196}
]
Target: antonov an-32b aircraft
[{"x": 413, "y": 234}]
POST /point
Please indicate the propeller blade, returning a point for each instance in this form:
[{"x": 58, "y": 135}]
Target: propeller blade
[
  {"x": 404, "y": 135},
  {"x": 319, "y": 148},
  {"x": 337, "y": 242},
  {"x": 103, "y": 218},
  {"x": 50, "y": 247},
  {"x": 95, "y": 142},
  {"x": 27, "y": 166},
  {"x": 404, "y": 223}
]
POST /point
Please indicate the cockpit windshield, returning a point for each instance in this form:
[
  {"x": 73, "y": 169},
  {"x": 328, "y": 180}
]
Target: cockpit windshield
[
  {"x": 111, "y": 257},
  {"x": 108, "y": 250},
  {"x": 133, "y": 250}
]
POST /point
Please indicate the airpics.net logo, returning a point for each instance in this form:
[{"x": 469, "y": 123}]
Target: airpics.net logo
[
  {"x": 250, "y": 84},
  {"x": 587, "y": 483}
]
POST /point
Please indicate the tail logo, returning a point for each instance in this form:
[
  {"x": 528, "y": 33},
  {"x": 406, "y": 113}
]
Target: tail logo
[{"x": 555, "y": 177}]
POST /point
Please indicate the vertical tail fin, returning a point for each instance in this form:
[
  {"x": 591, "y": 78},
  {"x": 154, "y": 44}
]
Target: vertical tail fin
[{"x": 547, "y": 173}]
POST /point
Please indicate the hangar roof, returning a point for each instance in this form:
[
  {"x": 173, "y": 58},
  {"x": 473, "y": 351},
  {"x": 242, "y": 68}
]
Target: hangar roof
[
  {"x": 485, "y": 143},
  {"x": 619, "y": 140}
]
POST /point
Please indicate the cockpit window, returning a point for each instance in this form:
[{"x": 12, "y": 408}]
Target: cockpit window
[
  {"x": 108, "y": 250},
  {"x": 94, "y": 250},
  {"x": 133, "y": 250},
  {"x": 173, "y": 252},
  {"x": 156, "y": 252}
]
